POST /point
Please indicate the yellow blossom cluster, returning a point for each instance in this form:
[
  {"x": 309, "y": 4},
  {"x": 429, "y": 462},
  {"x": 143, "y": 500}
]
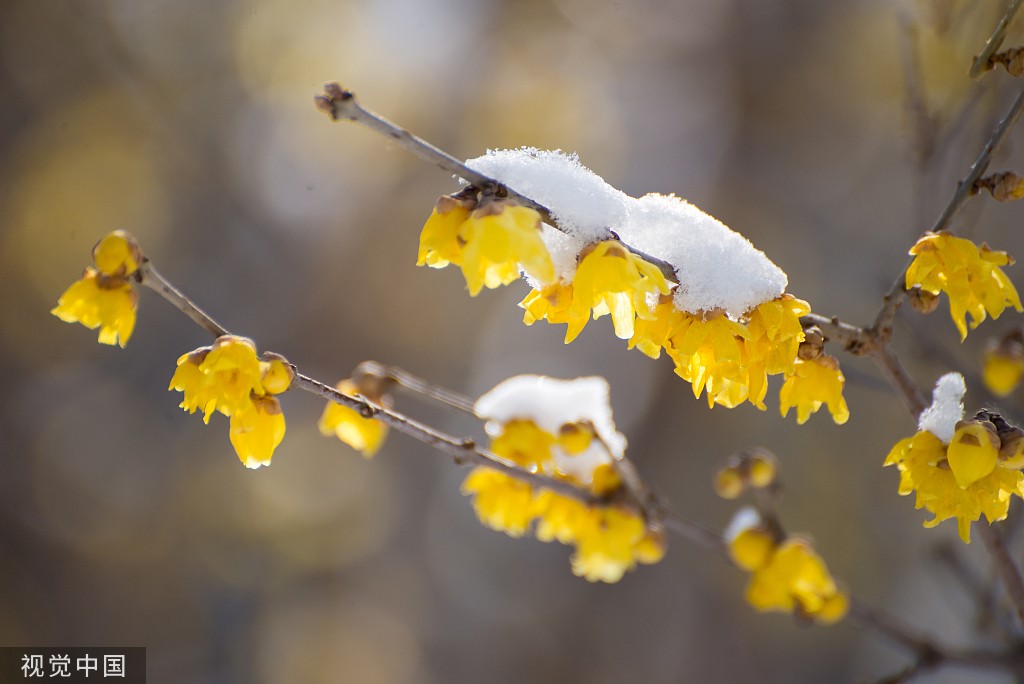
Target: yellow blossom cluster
[
  {"x": 104, "y": 297},
  {"x": 975, "y": 474},
  {"x": 727, "y": 359},
  {"x": 969, "y": 275},
  {"x": 490, "y": 242},
  {"x": 608, "y": 540},
  {"x": 229, "y": 378},
  {"x": 787, "y": 575},
  {"x": 609, "y": 280}
]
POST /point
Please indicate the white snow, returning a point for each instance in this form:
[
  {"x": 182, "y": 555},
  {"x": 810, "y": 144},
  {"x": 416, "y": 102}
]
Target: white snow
[
  {"x": 745, "y": 519},
  {"x": 550, "y": 403},
  {"x": 581, "y": 466},
  {"x": 580, "y": 200},
  {"x": 947, "y": 407},
  {"x": 563, "y": 249},
  {"x": 717, "y": 267}
]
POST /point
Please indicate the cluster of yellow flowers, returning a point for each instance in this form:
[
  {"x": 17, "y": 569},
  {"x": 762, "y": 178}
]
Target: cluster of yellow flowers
[
  {"x": 975, "y": 473},
  {"x": 489, "y": 242},
  {"x": 104, "y": 297},
  {"x": 969, "y": 275},
  {"x": 229, "y": 378},
  {"x": 787, "y": 575},
  {"x": 729, "y": 360},
  {"x": 226, "y": 377},
  {"x": 609, "y": 540}
]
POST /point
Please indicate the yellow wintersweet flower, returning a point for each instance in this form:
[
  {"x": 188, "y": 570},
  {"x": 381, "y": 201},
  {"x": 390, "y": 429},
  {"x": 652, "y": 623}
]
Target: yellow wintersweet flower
[
  {"x": 257, "y": 430},
  {"x": 609, "y": 541},
  {"x": 963, "y": 480},
  {"x": 710, "y": 354},
  {"x": 796, "y": 580},
  {"x": 555, "y": 303},
  {"x": 219, "y": 378},
  {"x": 776, "y": 333},
  {"x": 100, "y": 301},
  {"x": 559, "y": 518},
  {"x": 651, "y": 335},
  {"x": 524, "y": 443},
  {"x": 500, "y": 501},
  {"x": 606, "y": 544},
  {"x": 811, "y": 384},
  {"x": 612, "y": 280},
  {"x": 500, "y": 238},
  {"x": 365, "y": 435},
  {"x": 970, "y": 276},
  {"x": 1003, "y": 367},
  {"x": 439, "y": 241}
]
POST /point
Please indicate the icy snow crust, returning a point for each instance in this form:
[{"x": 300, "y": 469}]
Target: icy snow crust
[
  {"x": 550, "y": 403},
  {"x": 717, "y": 267},
  {"x": 947, "y": 407}
]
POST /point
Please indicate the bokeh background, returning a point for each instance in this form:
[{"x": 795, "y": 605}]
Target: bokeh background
[{"x": 831, "y": 134}]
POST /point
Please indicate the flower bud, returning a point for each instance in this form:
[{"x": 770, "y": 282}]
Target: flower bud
[
  {"x": 923, "y": 301},
  {"x": 277, "y": 373},
  {"x": 729, "y": 482},
  {"x": 813, "y": 345},
  {"x": 763, "y": 468}
]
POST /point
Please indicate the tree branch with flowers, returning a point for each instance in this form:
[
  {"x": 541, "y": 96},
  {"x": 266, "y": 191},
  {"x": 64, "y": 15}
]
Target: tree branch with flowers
[{"x": 672, "y": 279}]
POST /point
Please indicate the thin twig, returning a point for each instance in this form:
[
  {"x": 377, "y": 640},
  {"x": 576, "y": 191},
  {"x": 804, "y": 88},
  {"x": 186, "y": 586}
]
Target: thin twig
[
  {"x": 151, "y": 278},
  {"x": 341, "y": 104},
  {"x": 893, "y": 371},
  {"x": 854, "y": 339},
  {"x": 462, "y": 450},
  {"x": 905, "y": 675},
  {"x": 928, "y": 653},
  {"x": 419, "y": 386},
  {"x": 981, "y": 62},
  {"x": 1005, "y": 565}
]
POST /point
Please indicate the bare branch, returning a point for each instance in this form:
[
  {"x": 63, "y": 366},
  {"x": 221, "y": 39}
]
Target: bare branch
[
  {"x": 342, "y": 104},
  {"x": 982, "y": 62},
  {"x": 151, "y": 278}
]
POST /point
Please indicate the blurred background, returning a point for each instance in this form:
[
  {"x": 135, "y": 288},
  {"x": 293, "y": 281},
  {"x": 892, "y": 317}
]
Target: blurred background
[{"x": 830, "y": 134}]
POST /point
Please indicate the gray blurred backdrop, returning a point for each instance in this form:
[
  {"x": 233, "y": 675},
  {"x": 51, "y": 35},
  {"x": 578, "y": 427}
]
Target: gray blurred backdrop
[{"x": 829, "y": 133}]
